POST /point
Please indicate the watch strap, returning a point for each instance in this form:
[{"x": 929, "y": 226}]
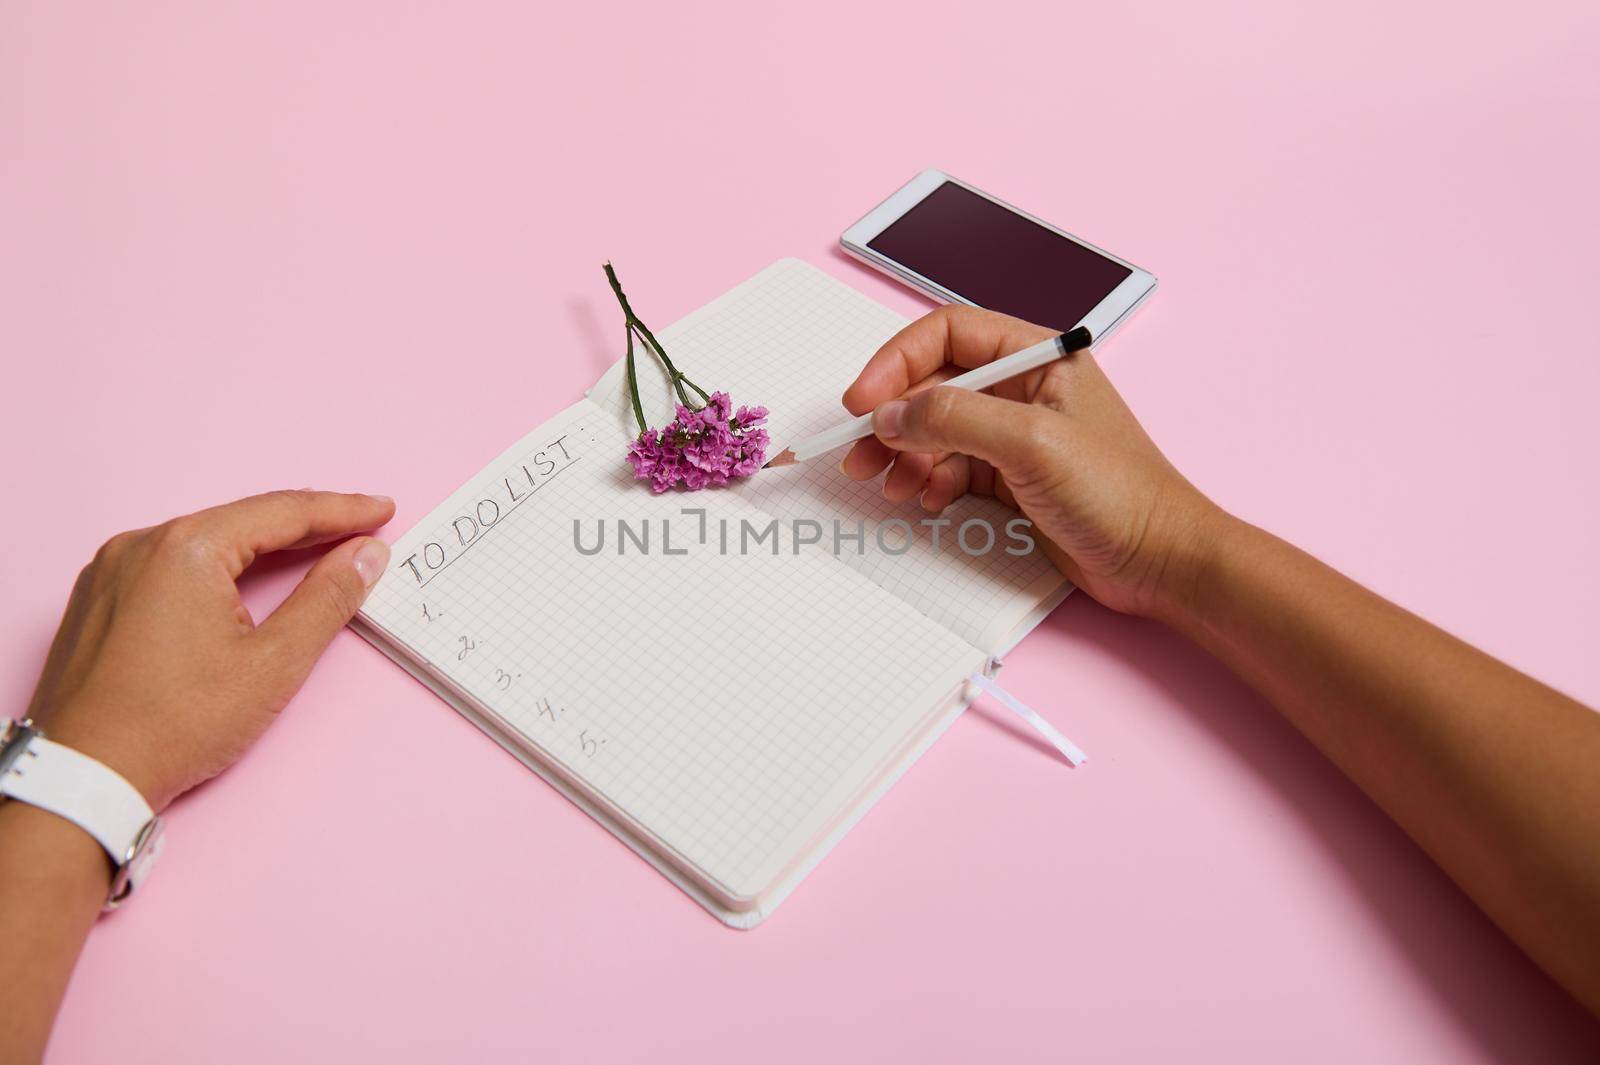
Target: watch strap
[{"x": 84, "y": 791}]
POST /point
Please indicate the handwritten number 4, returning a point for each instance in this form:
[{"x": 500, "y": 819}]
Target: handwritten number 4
[{"x": 588, "y": 744}]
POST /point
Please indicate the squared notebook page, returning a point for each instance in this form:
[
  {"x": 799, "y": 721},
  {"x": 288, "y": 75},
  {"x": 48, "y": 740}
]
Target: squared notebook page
[
  {"x": 728, "y": 709},
  {"x": 791, "y": 338}
]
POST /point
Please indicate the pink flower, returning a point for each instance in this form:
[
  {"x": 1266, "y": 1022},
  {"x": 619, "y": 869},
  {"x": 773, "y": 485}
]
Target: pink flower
[
  {"x": 749, "y": 416},
  {"x": 702, "y": 448},
  {"x": 645, "y": 454}
]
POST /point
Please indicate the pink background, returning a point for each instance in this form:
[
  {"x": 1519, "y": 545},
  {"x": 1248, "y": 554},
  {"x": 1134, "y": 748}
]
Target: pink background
[{"x": 358, "y": 246}]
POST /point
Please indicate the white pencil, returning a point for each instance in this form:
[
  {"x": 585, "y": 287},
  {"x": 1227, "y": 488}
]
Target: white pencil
[{"x": 986, "y": 376}]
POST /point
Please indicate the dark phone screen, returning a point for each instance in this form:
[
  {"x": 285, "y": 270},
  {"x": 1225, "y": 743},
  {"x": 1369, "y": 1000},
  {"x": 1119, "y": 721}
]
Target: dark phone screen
[{"x": 999, "y": 260}]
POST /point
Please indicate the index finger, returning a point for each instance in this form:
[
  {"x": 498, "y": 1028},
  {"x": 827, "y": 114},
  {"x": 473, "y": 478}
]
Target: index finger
[
  {"x": 954, "y": 334},
  {"x": 279, "y": 521}
]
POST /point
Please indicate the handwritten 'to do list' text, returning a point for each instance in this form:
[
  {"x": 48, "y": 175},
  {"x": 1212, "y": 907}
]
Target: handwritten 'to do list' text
[{"x": 482, "y": 515}]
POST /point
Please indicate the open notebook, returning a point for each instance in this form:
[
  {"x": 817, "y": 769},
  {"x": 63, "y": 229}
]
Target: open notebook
[{"x": 728, "y": 712}]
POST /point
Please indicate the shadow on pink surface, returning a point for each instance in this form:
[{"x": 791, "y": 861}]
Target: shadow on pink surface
[{"x": 1493, "y": 991}]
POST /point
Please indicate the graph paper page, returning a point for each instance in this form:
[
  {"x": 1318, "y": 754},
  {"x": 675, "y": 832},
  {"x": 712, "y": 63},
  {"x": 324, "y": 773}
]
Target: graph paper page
[
  {"x": 730, "y": 706},
  {"x": 791, "y": 338}
]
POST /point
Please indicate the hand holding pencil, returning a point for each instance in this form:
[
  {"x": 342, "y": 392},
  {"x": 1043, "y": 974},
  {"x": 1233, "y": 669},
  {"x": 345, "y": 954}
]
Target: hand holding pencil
[
  {"x": 1057, "y": 442},
  {"x": 976, "y": 379}
]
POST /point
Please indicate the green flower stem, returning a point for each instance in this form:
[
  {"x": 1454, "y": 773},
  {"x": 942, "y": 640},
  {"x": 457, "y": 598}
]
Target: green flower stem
[
  {"x": 673, "y": 375},
  {"x": 654, "y": 345},
  {"x": 633, "y": 388},
  {"x": 677, "y": 375},
  {"x": 696, "y": 387}
]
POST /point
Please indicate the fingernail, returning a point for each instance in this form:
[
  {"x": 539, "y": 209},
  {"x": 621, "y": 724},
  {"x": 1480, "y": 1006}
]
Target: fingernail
[
  {"x": 382, "y": 499},
  {"x": 890, "y": 418},
  {"x": 371, "y": 558}
]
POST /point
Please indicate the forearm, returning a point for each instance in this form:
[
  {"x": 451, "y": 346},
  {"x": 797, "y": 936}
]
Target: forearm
[
  {"x": 53, "y": 883},
  {"x": 1496, "y": 776}
]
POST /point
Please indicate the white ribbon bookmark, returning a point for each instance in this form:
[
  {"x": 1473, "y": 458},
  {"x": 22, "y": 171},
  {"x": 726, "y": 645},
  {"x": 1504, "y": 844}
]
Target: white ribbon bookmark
[{"x": 1069, "y": 750}]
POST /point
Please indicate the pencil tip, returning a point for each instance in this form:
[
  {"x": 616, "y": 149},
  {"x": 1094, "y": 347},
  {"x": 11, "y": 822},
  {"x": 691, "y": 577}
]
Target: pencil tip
[{"x": 785, "y": 458}]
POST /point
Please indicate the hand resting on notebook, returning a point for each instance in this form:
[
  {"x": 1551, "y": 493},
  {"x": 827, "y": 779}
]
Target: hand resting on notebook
[
  {"x": 159, "y": 672},
  {"x": 158, "y": 669},
  {"x": 1491, "y": 772}
]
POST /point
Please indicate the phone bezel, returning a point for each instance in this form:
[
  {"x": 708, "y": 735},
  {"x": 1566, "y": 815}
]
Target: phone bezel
[{"x": 1106, "y": 317}]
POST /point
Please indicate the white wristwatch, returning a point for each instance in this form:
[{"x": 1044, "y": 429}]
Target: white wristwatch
[{"x": 90, "y": 795}]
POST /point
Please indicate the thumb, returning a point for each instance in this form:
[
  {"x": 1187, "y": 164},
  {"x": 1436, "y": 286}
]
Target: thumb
[
  {"x": 999, "y": 431},
  {"x": 323, "y": 603}
]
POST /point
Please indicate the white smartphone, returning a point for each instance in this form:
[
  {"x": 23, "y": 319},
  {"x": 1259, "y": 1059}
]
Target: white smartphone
[{"x": 958, "y": 244}]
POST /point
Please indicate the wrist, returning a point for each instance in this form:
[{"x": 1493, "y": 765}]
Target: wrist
[
  {"x": 1193, "y": 558},
  {"x": 52, "y": 852},
  {"x": 85, "y": 792},
  {"x": 92, "y": 731}
]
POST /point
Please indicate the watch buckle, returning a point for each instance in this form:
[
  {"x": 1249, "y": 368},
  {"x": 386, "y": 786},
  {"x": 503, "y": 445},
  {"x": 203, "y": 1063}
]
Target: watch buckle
[
  {"x": 137, "y": 862},
  {"x": 14, "y": 738}
]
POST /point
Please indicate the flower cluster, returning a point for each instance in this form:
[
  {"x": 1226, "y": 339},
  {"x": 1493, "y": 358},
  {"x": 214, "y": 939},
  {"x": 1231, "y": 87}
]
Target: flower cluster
[
  {"x": 707, "y": 444},
  {"x": 701, "y": 448}
]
